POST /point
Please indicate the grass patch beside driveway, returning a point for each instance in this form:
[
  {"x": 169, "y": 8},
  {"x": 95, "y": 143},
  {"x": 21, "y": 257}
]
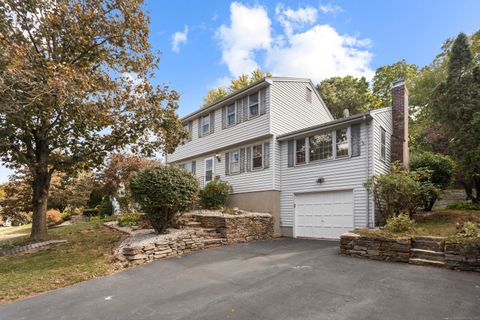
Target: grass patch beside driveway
[{"x": 86, "y": 255}]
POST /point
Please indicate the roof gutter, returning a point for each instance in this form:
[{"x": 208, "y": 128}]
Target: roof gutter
[
  {"x": 229, "y": 98},
  {"x": 358, "y": 118}
]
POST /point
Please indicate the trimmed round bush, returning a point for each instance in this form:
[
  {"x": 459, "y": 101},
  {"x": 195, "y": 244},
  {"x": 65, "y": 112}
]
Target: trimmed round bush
[
  {"x": 399, "y": 223},
  {"x": 215, "y": 194},
  {"x": 54, "y": 217},
  {"x": 441, "y": 171},
  {"x": 161, "y": 192}
]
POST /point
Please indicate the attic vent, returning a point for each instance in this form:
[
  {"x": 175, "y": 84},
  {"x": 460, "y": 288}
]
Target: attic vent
[{"x": 309, "y": 95}]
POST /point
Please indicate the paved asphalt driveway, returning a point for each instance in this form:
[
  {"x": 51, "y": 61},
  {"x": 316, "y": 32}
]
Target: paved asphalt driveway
[{"x": 279, "y": 279}]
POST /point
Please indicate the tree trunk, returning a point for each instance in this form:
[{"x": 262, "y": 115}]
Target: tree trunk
[
  {"x": 467, "y": 185},
  {"x": 40, "y": 186},
  {"x": 476, "y": 181}
]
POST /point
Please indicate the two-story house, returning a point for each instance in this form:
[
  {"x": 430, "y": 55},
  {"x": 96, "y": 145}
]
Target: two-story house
[{"x": 279, "y": 147}]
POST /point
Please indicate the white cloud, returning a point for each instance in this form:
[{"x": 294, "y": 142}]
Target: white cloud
[
  {"x": 249, "y": 30},
  {"x": 319, "y": 53},
  {"x": 330, "y": 8},
  {"x": 179, "y": 38},
  {"x": 301, "y": 49},
  {"x": 292, "y": 20}
]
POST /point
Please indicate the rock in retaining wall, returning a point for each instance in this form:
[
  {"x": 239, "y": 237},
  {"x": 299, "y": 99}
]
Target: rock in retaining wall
[
  {"x": 380, "y": 248},
  {"x": 459, "y": 256},
  {"x": 241, "y": 228},
  {"x": 214, "y": 229},
  {"x": 176, "y": 243},
  {"x": 463, "y": 256}
]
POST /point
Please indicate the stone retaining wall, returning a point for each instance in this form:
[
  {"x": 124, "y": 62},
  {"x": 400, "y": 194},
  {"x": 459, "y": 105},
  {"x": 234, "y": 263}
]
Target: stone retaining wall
[
  {"x": 178, "y": 243},
  {"x": 200, "y": 230},
  {"x": 459, "y": 256},
  {"x": 462, "y": 256},
  {"x": 239, "y": 228},
  {"x": 375, "y": 248}
]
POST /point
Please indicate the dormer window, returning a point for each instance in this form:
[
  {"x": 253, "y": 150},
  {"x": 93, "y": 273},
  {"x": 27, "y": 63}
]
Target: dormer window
[
  {"x": 253, "y": 106},
  {"x": 231, "y": 115},
  {"x": 206, "y": 124}
]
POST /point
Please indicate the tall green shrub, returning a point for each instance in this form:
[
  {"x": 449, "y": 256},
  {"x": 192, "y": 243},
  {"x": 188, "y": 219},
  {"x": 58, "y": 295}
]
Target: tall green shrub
[
  {"x": 106, "y": 207},
  {"x": 399, "y": 192},
  {"x": 215, "y": 194},
  {"x": 441, "y": 171},
  {"x": 161, "y": 192}
]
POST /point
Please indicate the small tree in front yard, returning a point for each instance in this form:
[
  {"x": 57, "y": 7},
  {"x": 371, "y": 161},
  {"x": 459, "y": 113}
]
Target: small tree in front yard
[
  {"x": 441, "y": 171},
  {"x": 215, "y": 194},
  {"x": 400, "y": 192},
  {"x": 163, "y": 191}
]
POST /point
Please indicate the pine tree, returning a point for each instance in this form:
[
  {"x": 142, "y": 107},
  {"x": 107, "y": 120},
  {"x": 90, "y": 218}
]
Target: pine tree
[{"x": 457, "y": 109}]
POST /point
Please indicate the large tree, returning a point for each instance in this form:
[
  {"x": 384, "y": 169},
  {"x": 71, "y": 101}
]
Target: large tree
[
  {"x": 74, "y": 86},
  {"x": 340, "y": 93},
  {"x": 456, "y": 107},
  {"x": 236, "y": 84},
  {"x": 386, "y": 75},
  {"x": 116, "y": 176}
]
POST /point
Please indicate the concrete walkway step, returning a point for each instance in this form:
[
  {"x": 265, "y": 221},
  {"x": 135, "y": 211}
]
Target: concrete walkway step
[
  {"x": 426, "y": 262},
  {"x": 427, "y": 255}
]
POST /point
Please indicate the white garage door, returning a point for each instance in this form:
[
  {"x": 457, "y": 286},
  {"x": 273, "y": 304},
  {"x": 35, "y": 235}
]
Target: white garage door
[{"x": 323, "y": 214}]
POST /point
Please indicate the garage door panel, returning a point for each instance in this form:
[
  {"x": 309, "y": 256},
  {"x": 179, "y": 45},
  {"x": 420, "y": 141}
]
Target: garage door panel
[{"x": 323, "y": 214}]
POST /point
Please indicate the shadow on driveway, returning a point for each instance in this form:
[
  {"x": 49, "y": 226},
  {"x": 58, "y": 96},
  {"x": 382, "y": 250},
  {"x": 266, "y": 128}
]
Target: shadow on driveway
[{"x": 278, "y": 279}]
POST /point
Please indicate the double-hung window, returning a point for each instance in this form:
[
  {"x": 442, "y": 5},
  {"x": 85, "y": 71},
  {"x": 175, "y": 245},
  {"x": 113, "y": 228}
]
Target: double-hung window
[
  {"x": 320, "y": 147},
  {"x": 383, "y": 144},
  {"x": 231, "y": 115},
  {"x": 257, "y": 158},
  {"x": 206, "y": 124},
  {"x": 300, "y": 150},
  {"x": 341, "y": 143},
  {"x": 186, "y": 126},
  {"x": 253, "y": 106},
  {"x": 234, "y": 162},
  {"x": 208, "y": 169},
  {"x": 188, "y": 166}
]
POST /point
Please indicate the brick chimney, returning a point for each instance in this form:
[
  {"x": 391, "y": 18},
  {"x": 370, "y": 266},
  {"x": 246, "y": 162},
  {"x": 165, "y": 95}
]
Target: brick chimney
[{"x": 400, "y": 123}]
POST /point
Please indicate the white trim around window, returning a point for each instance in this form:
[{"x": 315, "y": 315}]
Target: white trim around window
[
  {"x": 383, "y": 144},
  {"x": 234, "y": 162},
  {"x": 231, "y": 114},
  {"x": 209, "y": 177},
  {"x": 257, "y": 149},
  {"x": 206, "y": 125},
  {"x": 332, "y": 151},
  {"x": 254, "y": 104}
]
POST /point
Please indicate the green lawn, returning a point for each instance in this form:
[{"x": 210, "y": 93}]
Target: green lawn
[
  {"x": 21, "y": 229},
  {"x": 86, "y": 255}
]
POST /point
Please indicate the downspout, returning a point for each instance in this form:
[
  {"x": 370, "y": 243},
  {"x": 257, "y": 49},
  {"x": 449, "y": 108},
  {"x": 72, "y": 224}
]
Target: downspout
[{"x": 368, "y": 171}]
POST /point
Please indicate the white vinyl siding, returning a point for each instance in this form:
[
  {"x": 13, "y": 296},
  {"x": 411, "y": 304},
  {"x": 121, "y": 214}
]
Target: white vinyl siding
[
  {"x": 291, "y": 111},
  {"x": 348, "y": 173},
  {"x": 222, "y": 138},
  {"x": 255, "y": 180},
  {"x": 382, "y": 121}
]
